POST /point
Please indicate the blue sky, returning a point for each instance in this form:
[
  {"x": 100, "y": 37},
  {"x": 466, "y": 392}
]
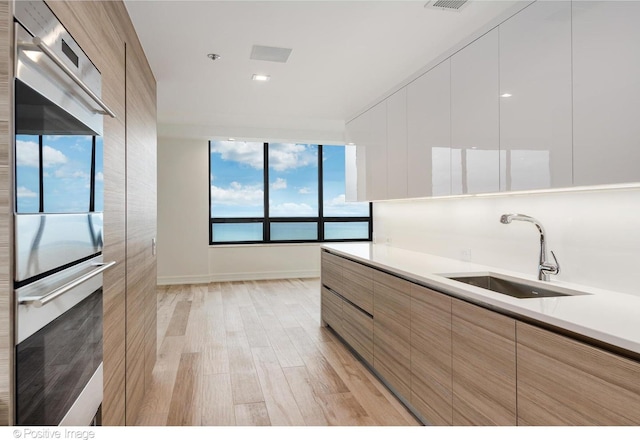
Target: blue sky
[
  {"x": 66, "y": 174},
  {"x": 237, "y": 187}
]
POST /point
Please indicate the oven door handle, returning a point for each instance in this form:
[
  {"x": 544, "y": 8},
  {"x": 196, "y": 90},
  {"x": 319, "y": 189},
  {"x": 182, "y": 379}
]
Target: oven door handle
[
  {"x": 40, "y": 301},
  {"x": 38, "y": 45}
]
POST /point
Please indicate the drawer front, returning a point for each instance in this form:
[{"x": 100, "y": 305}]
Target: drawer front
[
  {"x": 331, "y": 310},
  {"x": 358, "y": 285},
  {"x": 331, "y": 272},
  {"x": 358, "y": 331}
]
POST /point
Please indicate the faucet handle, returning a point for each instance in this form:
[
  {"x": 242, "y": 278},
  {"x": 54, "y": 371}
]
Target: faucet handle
[{"x": 556, "y": 267}]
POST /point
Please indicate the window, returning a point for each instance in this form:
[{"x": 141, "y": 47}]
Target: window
[{"x": 282, "y": 192}]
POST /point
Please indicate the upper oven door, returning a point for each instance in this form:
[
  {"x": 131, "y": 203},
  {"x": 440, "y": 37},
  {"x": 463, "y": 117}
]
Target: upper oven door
[{"x": 58, "y": 88}]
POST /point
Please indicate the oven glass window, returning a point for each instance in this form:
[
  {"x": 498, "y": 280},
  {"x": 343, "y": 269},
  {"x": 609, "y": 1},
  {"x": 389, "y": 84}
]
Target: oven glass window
[{"x": 59, "y": 173}]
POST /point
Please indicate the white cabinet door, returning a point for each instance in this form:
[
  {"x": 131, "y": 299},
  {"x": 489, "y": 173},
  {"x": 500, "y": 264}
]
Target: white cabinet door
[
  {"x": 429, "y": 133},
  {"x": 606, "y": 92},
  {"x": 535, "y": 98},
  {"x": 376, "y": 152},
  {"x": 475, "y": 156},
  {"x": 355, "y": 160},
  {"x": 397, "y": 145}
]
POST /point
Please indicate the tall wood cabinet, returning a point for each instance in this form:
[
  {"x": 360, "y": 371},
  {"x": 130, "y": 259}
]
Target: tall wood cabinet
[{"x": 105, "y": 32}]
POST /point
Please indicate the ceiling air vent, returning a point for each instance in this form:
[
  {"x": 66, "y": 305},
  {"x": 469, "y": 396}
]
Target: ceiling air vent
[
  {"x": 446, "y": 5},
  {"x": 268, "y": 53}
]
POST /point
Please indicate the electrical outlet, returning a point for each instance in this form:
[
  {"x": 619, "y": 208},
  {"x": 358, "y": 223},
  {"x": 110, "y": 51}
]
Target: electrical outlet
[{"x": 466, "y": 254}]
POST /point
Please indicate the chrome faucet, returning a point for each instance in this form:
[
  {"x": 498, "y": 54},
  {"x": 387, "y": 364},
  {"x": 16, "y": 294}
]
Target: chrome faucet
[{"x": 545, "y": 268}]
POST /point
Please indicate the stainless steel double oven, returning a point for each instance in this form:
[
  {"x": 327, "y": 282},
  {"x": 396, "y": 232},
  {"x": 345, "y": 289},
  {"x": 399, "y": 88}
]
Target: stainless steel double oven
[{"x": 58, "y": 224}]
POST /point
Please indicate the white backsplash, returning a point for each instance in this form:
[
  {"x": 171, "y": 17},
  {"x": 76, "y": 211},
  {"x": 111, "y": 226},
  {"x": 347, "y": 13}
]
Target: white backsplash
[{"x": 594, "y": 234}]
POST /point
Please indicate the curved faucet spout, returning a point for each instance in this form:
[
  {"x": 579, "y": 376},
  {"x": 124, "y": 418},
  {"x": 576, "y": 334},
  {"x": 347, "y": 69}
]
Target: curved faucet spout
[{"x": 544, "y": 267}]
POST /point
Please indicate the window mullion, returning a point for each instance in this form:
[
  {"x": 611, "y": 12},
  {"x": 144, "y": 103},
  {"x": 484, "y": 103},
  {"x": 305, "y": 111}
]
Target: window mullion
[
  {"x": 266, "y": 225},
  {"x": 320, "y": 196}
]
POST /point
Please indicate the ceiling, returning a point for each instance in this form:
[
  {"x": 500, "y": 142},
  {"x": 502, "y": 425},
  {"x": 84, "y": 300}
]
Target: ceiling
[{"x": 345, "y": 55}]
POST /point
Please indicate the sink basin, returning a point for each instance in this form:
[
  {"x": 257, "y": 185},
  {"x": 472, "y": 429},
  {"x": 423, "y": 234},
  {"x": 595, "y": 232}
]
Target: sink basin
[{"x": 511, "y": 288}]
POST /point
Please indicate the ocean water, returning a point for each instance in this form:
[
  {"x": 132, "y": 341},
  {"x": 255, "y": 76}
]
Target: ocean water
[{"x": 235, "y": 232}]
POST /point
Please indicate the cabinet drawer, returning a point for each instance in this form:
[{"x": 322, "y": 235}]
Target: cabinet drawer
[
  {"x": 331, "y": 271},
  {"x": 357, "y": 284},
  {"x": 331, "y": 309},
  {"x": 358, "y": 331}
]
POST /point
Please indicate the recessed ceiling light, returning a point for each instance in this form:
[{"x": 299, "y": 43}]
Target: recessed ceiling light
[
  {"x": 231, "y": 139},
  {"x": 213, "y": 56},
  {"x": 258, "y": 77},
  {"x": 506, "y": 95}
]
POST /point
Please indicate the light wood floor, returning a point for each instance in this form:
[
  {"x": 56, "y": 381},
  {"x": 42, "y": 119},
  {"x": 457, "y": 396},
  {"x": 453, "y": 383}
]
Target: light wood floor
[{"x": 254, "y": 353}]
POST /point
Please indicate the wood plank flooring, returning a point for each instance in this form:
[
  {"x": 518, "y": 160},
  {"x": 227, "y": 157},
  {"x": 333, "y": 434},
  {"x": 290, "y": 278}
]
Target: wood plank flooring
[{"x": 254, "y": 354}]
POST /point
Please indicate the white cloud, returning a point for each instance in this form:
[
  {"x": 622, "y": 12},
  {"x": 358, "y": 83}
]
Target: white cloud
[
  {"x": 27, "y": 154},
  {"x": 24, "y": 192},
  {"x": 249, "y": 153},
  {"x": 285, "y": 156},
  {"x": 304, "y": 190},
  {"x": 70, "y": 174},
  {"x": 99, "y": 177},
  {"x": 293, "y": 210},
  {"x": 237, "y": 194},
  {"x": 280, "y": 183}
]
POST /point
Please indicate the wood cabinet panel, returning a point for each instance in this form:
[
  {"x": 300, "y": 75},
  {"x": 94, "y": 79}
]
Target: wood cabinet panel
[
  {"x": 357, "y": 331},
  {"x": 484, "y": 366},
  {"x": 357, "y": 284},
  {"x": 6, "y": 218},
  {"x": 331, "y": 310},
  {"x": 391, "y": 331},
  {"x": 431, "y": 369},
  {"x": 331, "y": 271},
  {"x": 566, "y": 382}
]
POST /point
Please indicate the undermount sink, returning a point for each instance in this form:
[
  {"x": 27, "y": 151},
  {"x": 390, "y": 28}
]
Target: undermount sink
[{"x": 511, "y": 288}]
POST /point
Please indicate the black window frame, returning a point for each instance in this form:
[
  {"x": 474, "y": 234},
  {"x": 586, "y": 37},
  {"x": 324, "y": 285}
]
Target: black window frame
[{"x": 267, "y": 219}]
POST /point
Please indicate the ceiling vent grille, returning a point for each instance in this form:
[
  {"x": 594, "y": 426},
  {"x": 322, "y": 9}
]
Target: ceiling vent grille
[
  {"x": 268, "y": 53},
  {"x": 446, "y": 5}
]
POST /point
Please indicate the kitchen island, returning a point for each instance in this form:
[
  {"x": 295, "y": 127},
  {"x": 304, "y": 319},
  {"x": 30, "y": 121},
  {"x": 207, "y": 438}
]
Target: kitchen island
[{"x": 460, "y": 354}]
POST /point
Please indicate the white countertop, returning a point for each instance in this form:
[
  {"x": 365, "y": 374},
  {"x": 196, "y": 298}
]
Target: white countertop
[{"x": 607, "y": 316}]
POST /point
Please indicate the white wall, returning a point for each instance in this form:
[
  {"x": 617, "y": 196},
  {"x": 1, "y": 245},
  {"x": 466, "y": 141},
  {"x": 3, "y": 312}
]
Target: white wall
[
  {"x": 184, "y": 254},
  {"x": 595, "y": 234}
]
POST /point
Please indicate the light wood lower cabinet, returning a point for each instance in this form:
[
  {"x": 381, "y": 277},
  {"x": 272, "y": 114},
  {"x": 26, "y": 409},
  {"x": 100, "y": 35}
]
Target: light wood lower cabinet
[
  {"x": 431, "y": 355},
  {"x": 331, "y": 309},
  {"x": 391, "y": 331},
  {"x": 357, "y": 284},
  {"x": 457, "y": 363},
  {"x": 357, "y": 331},
  {"x": 484, "y": 366},
  {"x": 562, "y": 381}
]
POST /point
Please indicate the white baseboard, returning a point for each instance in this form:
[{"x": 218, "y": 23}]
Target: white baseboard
[
  {"x": 256, "y": 276},
  {"x": 236, "y": 276},
  {"x": 186, "y": 279}
]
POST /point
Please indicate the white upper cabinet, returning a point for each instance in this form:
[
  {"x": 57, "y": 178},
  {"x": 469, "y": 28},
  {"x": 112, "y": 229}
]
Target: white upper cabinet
[
  {"x": 397, "y": 145},
  {"x": 475, "y": 156},
  {"x": 535, "y": 98},
  {"x": 369, "y": 134},
  {"x": 606, "y": 92},
  {"x": 429, "y": 133}
]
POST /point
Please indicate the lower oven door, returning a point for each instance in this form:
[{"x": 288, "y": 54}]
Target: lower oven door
[{"x": 59, "y": 350}]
